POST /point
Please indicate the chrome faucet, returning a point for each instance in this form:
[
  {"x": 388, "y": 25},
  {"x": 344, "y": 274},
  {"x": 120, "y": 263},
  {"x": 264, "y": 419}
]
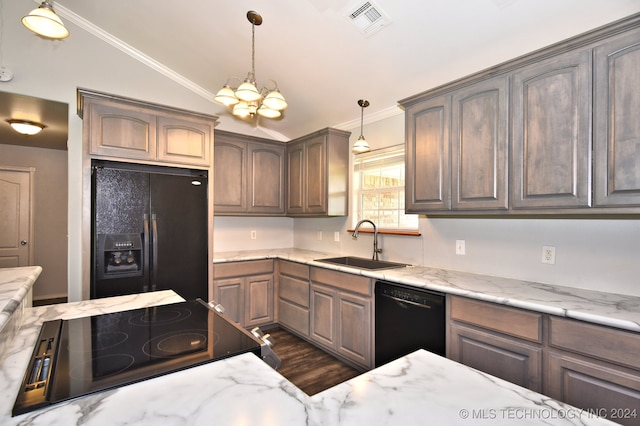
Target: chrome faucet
[{"x": 376, "y": 250}]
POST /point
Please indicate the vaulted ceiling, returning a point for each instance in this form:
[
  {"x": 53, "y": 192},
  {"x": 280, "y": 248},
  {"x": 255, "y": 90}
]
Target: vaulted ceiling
[{"x": 321, "y": 60}]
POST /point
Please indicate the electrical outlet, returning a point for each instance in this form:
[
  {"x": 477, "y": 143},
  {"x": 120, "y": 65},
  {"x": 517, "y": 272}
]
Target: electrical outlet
[
  {"x": 254, "y": 234},
  {"x": 549, "y": 255},
  {"x": 336, "y": 236},
  {"x": 460, "y": 247},
  {"x": 319, "y": 235}
]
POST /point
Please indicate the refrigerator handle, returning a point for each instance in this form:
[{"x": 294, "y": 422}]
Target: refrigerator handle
[
  {"x": 154, "y": 243},
  {"x": 146, "y": 236}
]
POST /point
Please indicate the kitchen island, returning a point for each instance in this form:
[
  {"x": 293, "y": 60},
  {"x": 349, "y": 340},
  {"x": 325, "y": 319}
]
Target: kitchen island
[
  {"x": 16, "y": 286},
  {"x": 417, "y": 389}
]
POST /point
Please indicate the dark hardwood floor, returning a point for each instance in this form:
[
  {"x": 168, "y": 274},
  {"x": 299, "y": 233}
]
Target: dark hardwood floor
[{"x": 309, "y": 368}]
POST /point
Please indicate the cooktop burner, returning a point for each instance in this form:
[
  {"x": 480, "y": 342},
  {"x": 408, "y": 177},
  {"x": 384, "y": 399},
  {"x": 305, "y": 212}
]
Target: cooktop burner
[{"x": 85, "y": 355}]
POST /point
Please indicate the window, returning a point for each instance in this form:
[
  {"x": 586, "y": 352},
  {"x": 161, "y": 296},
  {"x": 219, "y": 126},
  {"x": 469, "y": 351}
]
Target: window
[{"x": 379, "y": 189}]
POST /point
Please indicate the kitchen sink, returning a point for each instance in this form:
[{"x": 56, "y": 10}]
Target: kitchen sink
[{"x": 362, "y": 263}]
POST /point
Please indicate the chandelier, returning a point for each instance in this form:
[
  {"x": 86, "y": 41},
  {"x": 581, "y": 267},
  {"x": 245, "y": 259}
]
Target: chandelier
[{"x": 246, "y": 100}]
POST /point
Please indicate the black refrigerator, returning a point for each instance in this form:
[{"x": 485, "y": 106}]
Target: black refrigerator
[{"x": 149, "y": 230}]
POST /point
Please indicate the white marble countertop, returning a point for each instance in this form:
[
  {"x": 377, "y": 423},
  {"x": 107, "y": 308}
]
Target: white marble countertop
[
  {"x": 614, "y": 310},
  {"x": 418, "y": 389},
  {"x": 15, "y": 284}
]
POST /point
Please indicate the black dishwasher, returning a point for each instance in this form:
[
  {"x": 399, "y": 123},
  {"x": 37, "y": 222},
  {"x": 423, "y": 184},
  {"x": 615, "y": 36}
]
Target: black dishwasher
[{"x": 406, "y": 319}]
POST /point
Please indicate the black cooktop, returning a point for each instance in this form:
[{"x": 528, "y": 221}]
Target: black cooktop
[{"x": 85, "y": 355}]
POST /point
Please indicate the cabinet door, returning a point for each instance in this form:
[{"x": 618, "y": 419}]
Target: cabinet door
[
  {"x": 185, "y": 141},
  {"x": 316, "y": 180},
  {"x": 353, "y": 337},
  {"x": 322, "y": 327},
  {"x": 266, "y": 179},
  {"x": 509, "y": 359},
  {"x": 124, "y": 131},
  {"x": 617, "y": 128},
  {"x": 611, "y": 392},
  {"x": 551, "y": 133},
  {"x": 258, "y": 300},
  {"x": 295, "y": 178},
  {"x": 428, "y": 168},
  {"x": 230, "y": 171},
  {"x": 229, "y": 293},
  {"x": 479, "y": 150}
]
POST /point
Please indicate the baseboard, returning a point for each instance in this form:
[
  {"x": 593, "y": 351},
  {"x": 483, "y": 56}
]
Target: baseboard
[{"x": 50, "y": 300}]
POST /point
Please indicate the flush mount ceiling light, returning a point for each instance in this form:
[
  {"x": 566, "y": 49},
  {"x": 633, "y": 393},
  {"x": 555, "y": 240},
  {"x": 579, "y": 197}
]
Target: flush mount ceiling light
[
  {"x": 44, "y": 22},
  {"x": 26, "y": 127},
  {"x": 361, "y": 144},
  {"x": 247, "y": 100}
]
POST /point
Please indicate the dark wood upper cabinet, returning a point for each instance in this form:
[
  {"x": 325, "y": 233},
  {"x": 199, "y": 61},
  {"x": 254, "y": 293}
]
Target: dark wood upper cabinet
[
  {"x": 127, "y": 129},
  {"x": 428, "y": 165},
  {"x": 552, "y": 132},
  {"x": 616, "y": 123},
  {"x": 318, "y": 174},
  {"x": 249, "y": 175}
]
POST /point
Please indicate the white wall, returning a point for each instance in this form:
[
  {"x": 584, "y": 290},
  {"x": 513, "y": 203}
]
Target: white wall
[{"x": 234, "y": 233}]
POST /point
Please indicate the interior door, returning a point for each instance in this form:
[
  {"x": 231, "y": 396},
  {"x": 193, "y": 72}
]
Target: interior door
[{"x": 16, "y": 217}]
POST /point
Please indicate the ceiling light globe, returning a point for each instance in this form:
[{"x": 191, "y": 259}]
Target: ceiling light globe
[
  {"x": 247, "y": 92},
  {"x": 26, "y": 127},
  {"x": 241, "y": 110},
  {"x": 226, "y": 96},
  {"x": 267, "y": 112},
  {"x": 360, "y": 146},
  {"x": 44, "y": 22},
  {"x": 275, "y": 100}
]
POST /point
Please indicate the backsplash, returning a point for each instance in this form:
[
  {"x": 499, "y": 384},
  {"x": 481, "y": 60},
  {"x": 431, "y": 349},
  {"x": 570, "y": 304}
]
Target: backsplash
[{"x": 594, "y": 254}]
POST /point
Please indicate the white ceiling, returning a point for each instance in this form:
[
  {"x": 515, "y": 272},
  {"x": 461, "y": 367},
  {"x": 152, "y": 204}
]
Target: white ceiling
[{"x": 321, "y": 61}]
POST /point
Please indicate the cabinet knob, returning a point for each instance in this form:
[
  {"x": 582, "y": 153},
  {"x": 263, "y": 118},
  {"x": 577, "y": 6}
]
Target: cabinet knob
[{"x": 23, "y": 243}]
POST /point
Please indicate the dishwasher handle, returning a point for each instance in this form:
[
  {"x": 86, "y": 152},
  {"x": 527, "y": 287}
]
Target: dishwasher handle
[{"x": 408, "y": 302}]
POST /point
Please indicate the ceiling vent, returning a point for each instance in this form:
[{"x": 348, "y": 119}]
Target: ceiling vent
[{"x": 368, "y": 18}]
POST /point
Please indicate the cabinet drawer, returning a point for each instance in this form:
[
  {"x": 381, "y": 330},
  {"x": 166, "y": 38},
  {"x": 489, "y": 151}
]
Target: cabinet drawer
[
  {"x": 294, "y": 317},
  {"x": 236, "y": 269},
  {"x": 294, "y": 290},
  {"x": 294, "y": 269},
  {"x": 342, "y": 280},
  {"x": 617, "y": 346},
  {"x": 514, "y": 322}
]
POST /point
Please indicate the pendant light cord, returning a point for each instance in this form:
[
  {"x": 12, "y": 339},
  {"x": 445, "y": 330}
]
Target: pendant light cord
[
  {"x": 1, "y": 34},
  {"x": 253, "y": 51}
]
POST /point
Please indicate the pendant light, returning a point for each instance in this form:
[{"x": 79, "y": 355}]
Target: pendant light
[
  {"x": 44, "y": 22},
  {"x": 246, "y": 100},
  {"x": 361, "y": 144}
]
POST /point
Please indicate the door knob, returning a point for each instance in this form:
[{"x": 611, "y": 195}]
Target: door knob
[{"x": 23, "y": 243}]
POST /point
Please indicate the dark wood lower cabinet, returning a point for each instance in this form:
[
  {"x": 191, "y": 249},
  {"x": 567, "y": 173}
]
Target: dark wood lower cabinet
[
  {"x": 592, "y": 367},
  {"x": 613, "y": 393},
  {"x": 246, "y": 289},
  {"x": 514, "y": 361}
]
